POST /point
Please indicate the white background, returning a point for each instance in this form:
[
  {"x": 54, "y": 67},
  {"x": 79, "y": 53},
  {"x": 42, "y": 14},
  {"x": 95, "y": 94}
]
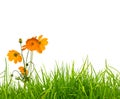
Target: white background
[{"x": 75, "y": 29}]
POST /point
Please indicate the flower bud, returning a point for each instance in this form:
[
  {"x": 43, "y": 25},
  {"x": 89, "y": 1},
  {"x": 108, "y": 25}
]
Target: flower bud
[
  {"x": 17, "y": 78},
  {"x": 20, "y": 40},
  {"x": 26, "y": 64},
  {"x": 11, "y": 75}
]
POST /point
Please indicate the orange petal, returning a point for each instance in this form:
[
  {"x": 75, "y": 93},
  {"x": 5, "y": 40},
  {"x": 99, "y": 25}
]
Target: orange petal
[{"x": 39, "y": 38}]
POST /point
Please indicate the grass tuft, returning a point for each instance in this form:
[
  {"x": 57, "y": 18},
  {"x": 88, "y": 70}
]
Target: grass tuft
[{"x": 65, "y": 83}]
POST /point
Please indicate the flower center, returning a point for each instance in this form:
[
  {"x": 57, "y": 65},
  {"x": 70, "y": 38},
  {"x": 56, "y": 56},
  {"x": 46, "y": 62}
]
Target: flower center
[
  {"x": 15, "y": 54},
  {"x": 32, "y": 44}
]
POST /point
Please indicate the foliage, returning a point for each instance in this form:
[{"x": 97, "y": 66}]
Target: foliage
[{"x": 63, "y": 83}]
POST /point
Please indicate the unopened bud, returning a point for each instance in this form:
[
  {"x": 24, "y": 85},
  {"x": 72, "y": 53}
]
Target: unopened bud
[
  {"x": 26, "y": 64},
  {"x": 20, "y": 40},
  {"x": 11, "y": 75},
  {"x": 17, "y": 78}
]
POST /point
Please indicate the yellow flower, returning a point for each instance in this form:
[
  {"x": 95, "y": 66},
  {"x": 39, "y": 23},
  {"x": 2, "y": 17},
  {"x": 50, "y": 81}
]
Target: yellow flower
[
  {"x": 15, "y": 56},
  {"x": 31, "y": 44},
  {"x": 42, "y": 43},
  {"x": 23, "y": 70}
]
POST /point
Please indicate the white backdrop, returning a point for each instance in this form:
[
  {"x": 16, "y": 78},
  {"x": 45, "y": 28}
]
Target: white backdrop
[{"x": 74, "y": 28}]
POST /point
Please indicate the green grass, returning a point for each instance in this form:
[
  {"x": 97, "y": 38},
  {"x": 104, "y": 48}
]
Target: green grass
[{"x": 65, "y": 83}]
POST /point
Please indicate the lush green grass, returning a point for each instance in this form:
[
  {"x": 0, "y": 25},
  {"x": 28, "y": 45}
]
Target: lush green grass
[{"x": 65, "y": 83}]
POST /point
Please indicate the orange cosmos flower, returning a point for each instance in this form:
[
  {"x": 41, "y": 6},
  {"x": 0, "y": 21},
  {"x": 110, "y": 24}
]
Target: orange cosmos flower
[
  {"x": 31, "y": 44},
  {"x": 42, "y": 43},
  {"x": 15, "y": 56},
  {"x": 23, "y": 70}
]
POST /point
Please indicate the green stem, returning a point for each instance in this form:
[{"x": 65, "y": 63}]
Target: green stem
[
  {"x": 22, "y": 56},
  {"x": 31, "y": 58},
  {"x": 27, "y": 56}
]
